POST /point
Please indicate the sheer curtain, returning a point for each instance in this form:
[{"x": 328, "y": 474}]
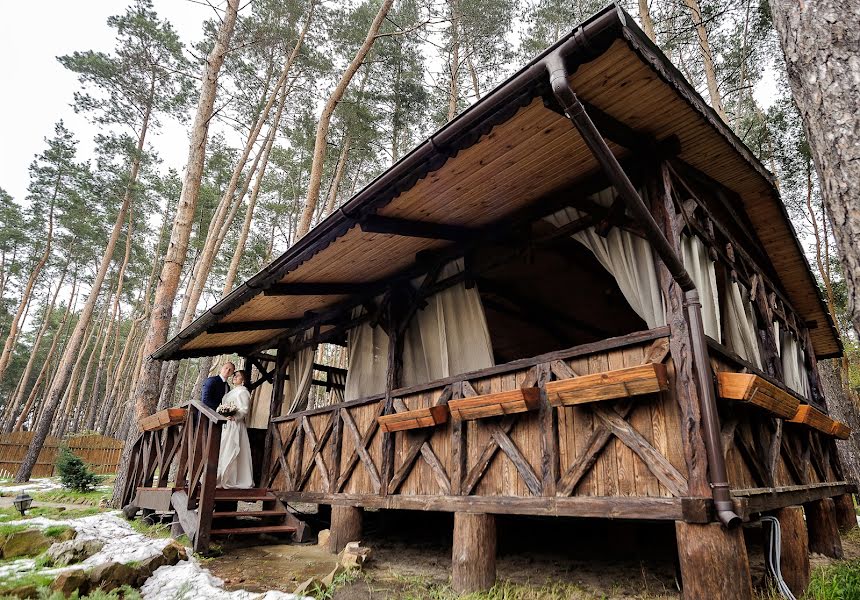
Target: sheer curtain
[
  {"x": 300, "y": 371},
  {"x": 627, "y": 257},
  {"x": 701, "y": 269},
  {"x": 449, "y": 336},
  {"x": 741, "y": 324},
  {"x": 368, "y": 360},
  {"x": 793, "y": 364}
]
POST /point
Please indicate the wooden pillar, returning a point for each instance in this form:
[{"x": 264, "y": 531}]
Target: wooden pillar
[
  {"x": 823, "y": 531},
  {"x": 683, "y": 376},
  {"x": 474, "y": 555},
  {"x": 345, "y": 527},
  {"x": 281, "y": 359},
  {"x": 794, "y": 560},
  {"x": 713, "y": 562},
  {"x": 846, "y": 516}
]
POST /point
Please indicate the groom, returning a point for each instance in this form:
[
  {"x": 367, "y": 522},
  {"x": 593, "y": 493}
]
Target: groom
[{"x": 216, "y": 386}]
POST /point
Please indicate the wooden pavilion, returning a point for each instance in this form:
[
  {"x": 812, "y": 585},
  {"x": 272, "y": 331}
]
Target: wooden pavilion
[{"x": 583, "y": 297}]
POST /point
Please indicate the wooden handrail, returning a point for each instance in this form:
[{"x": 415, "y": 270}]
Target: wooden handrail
[{"x": 208, "y": 412}]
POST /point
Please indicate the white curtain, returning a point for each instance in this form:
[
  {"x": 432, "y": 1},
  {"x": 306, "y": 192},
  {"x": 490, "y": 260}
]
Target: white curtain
[
  {"x": 741, "y": 324},
  {"x": 368, "y": 360},
  {"x": 628, "y": 259},
  {"x": 300, "y": 371},
  {"x": 794, "y": 365},
  {"x": 449, "y": 336},
  {"x": 701, "y": 270}
]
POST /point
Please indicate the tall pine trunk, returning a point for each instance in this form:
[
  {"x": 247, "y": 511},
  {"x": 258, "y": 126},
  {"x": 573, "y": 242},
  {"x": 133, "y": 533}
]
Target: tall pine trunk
[
  {"x": 821, "y": 43},
  {"x": 325, "y": 119},
  {"x": 707, "y": 58}
]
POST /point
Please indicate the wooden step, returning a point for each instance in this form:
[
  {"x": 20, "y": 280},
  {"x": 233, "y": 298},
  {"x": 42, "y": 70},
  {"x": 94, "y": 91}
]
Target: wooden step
[
  {"x": 285, "y": 529},
  {"x": 249, "y": 513},
  {"x": 248, "y": 495}
]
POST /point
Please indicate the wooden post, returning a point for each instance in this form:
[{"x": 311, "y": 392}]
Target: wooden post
[
  {"x": 713, "y": 562},
  {"x": 281, "y": 359},
  {"x": 680, "y": 344},
  {"x": 345, "y": 527},
  {"x": 474, "y": 554},
  {"x": 794, "y": 560},
  {"x": 823, "y": 532},
  {"x": 846, "y": 516}
]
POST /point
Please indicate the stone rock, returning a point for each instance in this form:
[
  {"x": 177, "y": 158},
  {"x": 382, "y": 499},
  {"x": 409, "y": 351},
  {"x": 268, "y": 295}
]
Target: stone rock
[
  {"x": 174, "y": 552},
  {"x": 112, "y": 575},
  {"x": 28, "y": 590},
  {"x": 353, "y": 556},
  {"x": 72, "y": 551},
  {"x": 70, "y": 582},
  {"x": 308, "y": 586},
  {"x": 328, "y": 580},
  {"x": 130, "y": 511},
  {"x": 29, "y": 542},
  {"x": 66, "y": 535},
  {"x": 323, "y": 536}
]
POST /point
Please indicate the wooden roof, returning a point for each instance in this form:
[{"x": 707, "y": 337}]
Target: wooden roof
[{"x": 504, "y": 154}]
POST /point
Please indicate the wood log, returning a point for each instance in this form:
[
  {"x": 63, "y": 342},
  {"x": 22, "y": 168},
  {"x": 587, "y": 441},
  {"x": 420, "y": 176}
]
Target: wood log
[
  {"x": 846, "y": 516},
  {"x": 713, "y": 562},
  {"x": 345, "y": 527},
  {"x": 823, "y": 532},
  {"x": 474, "y": 553},
  {"x": 794, "y": 560}
]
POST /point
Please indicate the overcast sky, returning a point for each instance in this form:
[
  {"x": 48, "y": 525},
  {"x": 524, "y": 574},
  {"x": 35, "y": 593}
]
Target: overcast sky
[{"x": 36, "y": 91}]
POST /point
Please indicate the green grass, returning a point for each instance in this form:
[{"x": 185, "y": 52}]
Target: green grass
[
  {"x": 838, "y": 581},
  {"x": 55, "y": 531},
  {"x": 7, "y": 529},
  {"x": 36, "y": 579},
  {"x": 72, "y": 497},
  {"x": 49, "y": 512},
  {"x": 423, "y": 588}
]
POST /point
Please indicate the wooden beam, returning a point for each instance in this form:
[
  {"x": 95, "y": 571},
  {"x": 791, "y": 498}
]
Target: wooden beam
[{"x": 419, "y": 229}]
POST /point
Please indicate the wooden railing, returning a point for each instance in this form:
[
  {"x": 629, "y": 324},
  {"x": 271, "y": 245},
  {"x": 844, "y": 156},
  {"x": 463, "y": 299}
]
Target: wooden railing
[
  {"x": 174, "y": 462},
  {"x": 197, "y": 472},
  {"x": 621, "y": 456}
]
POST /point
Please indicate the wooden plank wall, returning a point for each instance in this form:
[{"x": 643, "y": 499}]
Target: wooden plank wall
[
  {"x": 102, "y": 453},
  {"x": 617, "y": 471}
]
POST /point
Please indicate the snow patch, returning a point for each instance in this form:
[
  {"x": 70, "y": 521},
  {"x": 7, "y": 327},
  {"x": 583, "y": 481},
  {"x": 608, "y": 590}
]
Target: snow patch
[
  {"x": 189, "y": 581},
  {"x": 34, "y": 485}
]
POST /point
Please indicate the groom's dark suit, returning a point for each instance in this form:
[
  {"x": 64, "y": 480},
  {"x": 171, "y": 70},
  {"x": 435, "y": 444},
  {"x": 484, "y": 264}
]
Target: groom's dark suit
[{"x": 214, "y": 389}]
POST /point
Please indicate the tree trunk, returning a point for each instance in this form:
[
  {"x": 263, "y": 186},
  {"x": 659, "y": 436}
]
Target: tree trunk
[
  {"x": 820, "y": 41},
  {"x": 338, "y": 175},
  {"x": 70, "y": 355},
  {"x": 43, "y": 372},
  {"x": 9, "y": 345},
  {"x": 707, "y": 59},
  {"x": 325, "y": 120},
  {"x": 647, "y": 23},
  {"x": 11, "y": 413},
  {"x": 454, "y": 64}
]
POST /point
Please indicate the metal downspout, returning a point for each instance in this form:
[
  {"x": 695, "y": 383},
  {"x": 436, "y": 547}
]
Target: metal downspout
[{"x": 575, "y": 111}]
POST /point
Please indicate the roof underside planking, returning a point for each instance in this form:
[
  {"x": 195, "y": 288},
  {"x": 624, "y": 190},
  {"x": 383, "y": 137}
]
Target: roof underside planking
[{"x": 505, "y": 153}]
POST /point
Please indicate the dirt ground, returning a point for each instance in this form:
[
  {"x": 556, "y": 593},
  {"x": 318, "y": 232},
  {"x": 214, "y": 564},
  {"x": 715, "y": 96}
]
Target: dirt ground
[{"x": 551, "y": 558}]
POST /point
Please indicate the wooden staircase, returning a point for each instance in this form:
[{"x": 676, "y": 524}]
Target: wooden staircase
[
  {"x": 273, "y": 518},
  {"x": 189, "y": 439}
]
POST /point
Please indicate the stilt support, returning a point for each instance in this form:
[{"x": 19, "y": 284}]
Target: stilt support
[
  {"x": 713, "y": 562},
  {"x": 794, "y": 560},
  {"x": 345, "y": 527},
  {"x": 846, "y": 516},
  {"x": 823, "y": 531},
  {"x": 474, "y": 555}
]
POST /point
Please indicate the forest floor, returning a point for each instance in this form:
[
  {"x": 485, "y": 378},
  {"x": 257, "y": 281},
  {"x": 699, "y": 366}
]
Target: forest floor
[{"x": 539, "y": 559}]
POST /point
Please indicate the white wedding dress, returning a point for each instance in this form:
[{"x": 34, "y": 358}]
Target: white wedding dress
[{"x": 234, "y": 459}]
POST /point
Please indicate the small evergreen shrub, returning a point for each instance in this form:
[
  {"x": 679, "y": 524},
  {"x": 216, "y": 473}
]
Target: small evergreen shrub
[{"x": 74, "y": 472}]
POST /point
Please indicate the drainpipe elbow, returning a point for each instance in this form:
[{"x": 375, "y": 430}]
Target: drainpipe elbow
[{"x": 558, "y": 82}]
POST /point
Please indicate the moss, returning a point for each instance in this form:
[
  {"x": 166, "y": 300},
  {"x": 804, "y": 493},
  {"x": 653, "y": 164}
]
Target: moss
[
  {"x": 36, "y": 579},
  {"x": 55, "y": 531},
  {"x": 5, "y": 530}
]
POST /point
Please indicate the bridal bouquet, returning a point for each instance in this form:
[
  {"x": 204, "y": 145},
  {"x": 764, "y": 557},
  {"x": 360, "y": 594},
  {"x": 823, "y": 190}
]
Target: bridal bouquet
[{"x": 227, "y": 410}]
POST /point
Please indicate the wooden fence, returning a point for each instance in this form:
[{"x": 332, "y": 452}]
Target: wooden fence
[{"x": 100, "y": 452}]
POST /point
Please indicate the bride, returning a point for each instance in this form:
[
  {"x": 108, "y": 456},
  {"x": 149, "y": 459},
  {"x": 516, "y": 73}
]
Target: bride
[{"x": 234, "y": 459}]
